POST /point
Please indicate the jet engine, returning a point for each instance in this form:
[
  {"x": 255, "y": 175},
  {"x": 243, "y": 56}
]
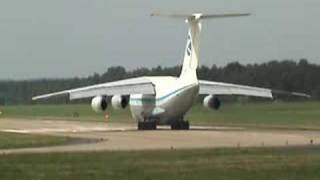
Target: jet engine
[
  {"x": 119, "y": 102},
  {"x": 99, "y": 104},
  {"x": 212, "y": 102}
]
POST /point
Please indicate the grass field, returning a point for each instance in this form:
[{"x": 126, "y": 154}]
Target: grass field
[
  {"x": 81, "y": 112},
  {"x": 13, "y": 140},
  {"x": 263, "y": 164},
  {"x": 286, "y": 115},
  {"x": 283, "y": 115}
]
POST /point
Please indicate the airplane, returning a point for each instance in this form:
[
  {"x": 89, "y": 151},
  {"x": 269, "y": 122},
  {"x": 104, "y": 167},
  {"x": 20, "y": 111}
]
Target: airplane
[{"x": 165, "y": 100}]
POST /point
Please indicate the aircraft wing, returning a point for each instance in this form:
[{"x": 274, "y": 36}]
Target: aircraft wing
[
  {"x": 219, "y": 88},
  {"x": 139, "y": 85}
]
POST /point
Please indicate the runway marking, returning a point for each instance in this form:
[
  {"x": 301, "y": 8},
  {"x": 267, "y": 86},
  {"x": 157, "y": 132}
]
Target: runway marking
[
  {"x": 81, "y": 129},
  {"x": 63, "y": 130}
]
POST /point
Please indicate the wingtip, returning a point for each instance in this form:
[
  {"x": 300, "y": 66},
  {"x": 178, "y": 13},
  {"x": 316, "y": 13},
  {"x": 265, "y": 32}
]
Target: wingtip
[{"x": 302, "y": 95}]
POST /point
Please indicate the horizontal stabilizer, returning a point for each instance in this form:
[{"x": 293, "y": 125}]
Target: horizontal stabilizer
[{"x": 200, "y": 15}]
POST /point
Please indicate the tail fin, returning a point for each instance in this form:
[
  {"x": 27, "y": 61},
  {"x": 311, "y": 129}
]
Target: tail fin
[{"x": 191, "y": 56}]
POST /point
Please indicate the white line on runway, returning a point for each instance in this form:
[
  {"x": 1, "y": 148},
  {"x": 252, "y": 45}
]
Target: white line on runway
[
  {"x": 63, "y": 130},
  {"x": 81, "y": 129}
]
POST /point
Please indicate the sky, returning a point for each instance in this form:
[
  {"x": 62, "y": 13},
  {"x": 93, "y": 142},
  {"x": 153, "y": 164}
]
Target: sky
[{"x": 69, "y": 38}]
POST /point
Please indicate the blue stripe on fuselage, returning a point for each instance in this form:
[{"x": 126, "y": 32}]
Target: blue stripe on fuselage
[{"x": 151, "y": 100}]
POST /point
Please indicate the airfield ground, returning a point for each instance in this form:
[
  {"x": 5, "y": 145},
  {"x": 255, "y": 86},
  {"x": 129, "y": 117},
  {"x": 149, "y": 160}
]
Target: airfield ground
[
  {"x": 18, "y": 140},
  {"x": 103, "y": 136},
  {"x": 222, "y": 144},
  {"x": 264, "y": 124}
]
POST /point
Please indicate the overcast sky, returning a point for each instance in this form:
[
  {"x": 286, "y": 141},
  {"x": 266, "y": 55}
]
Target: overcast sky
[{"x": 67, "y": 38}]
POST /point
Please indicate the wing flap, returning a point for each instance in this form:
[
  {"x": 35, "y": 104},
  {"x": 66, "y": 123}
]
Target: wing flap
[
  {"x": 217, "y": 88},
  {"x": 124, "y": 87},
  {"x": 146, "y": 88}
]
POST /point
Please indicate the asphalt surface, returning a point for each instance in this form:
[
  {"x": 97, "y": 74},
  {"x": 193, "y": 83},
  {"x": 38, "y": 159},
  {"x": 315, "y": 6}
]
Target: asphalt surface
[{"x": 114, "y": 136}]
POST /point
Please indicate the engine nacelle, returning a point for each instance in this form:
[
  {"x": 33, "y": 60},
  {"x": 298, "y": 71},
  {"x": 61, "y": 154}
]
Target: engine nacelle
[
  {"x": 99, "y": 104},
  {"x": 119, "y": 102},
  {"x": 212, "y": 102}
]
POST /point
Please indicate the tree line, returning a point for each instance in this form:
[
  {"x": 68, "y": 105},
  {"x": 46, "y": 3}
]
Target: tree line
[{"x": 288, "y": 75}]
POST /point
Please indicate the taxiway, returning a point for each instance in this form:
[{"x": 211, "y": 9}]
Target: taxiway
[{"x": 117, "y": 136}]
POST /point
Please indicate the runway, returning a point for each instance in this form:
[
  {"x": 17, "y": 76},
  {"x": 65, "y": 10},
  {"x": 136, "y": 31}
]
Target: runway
[{"x": 116, "y": 136}]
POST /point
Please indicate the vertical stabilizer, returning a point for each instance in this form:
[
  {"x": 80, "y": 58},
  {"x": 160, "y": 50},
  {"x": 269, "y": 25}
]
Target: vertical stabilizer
[{"x": 191, "y": 56}]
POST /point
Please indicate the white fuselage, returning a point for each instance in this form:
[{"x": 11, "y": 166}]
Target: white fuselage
[{"x": 174, "y": 97}]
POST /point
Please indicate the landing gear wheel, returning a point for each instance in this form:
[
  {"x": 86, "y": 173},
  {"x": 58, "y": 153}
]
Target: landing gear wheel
[
  {"x": 186, "y": 125},
  {"x": 148, "y": 125},
  {"x": 180, "y": 125}
]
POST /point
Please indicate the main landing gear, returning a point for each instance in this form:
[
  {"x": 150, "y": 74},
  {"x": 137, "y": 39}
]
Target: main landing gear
[
  {"x": 175, "y": 125},
  {"x": 180, "y": 125},
  {"x": 147, "y": 125}
]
